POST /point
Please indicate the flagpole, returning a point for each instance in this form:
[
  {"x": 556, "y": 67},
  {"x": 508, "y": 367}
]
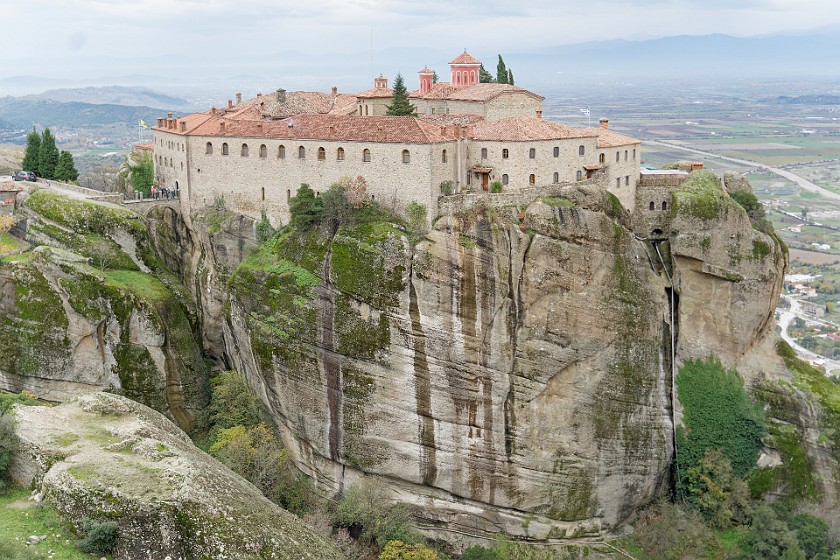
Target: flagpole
[{"x": 588, "y": 116}]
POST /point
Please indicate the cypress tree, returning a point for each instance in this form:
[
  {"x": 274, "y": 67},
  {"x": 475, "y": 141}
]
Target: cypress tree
[
  {"x": 47, "y": 155},
  {"x": 501, "y": 72},
  {"x": 33, "y": 146},
  {"x": 65, "y": 169},
  {"x": 435, "y": 77},
  {"x": 510, "y": 76},
  {"x": 484, "y": 77},
  {"x": 400, "y": 106}
]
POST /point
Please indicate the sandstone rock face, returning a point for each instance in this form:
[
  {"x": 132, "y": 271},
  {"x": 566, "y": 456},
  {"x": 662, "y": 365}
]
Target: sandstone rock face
[
  {"x": 84, "y": 310},
  {"x": 204, "y": 249},
  {"x": 106, "y": 457},
  {"x": 727, "y": 274},
  {"x": 506, "y": 376}
]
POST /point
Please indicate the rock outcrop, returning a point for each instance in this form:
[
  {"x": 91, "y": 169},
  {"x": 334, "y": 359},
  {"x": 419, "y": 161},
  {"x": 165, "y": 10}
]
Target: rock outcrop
[
  {"x": 507, "y": 375},
  {"x": 92, "y": 306},
  {"x": 105, "y": 457}
]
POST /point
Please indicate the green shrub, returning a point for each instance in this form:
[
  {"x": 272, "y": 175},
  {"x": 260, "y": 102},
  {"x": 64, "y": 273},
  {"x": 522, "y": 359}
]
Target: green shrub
[
  {"x": 9, "y": 444},
  {"x": 668, "y": 531},
  {"x": 264, "y": 229},
  {"x": 718, "y": 414},
  {"x": 142, "y": 174},
  {"x": 769, "y": 538},
  {"x": 12, "y": 551},
  {"x": 307, "y": 210},
  {"x": 479, "y": 553},
  {"x": 100, "y": 537},
  {"x": 365, "y": 509},
  {"x": 447, "y": 188},
  {"x": 398, "y": 550},
  {"x": 416, "y": 215},
  {"x": 496, "y": 187},
  {"x": 811, "y": 533}
]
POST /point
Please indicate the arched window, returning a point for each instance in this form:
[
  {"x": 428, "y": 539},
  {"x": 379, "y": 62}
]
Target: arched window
[
  {"x": 532, "y": 179},
  {"x": 556, "y": 177},
  {"x": 281, "y": 151},
  {"x": 263, "y": 151},
  {"x": 244, "y": 152},
  {"x": 301, "y": 152},
  {"x": 579, "y": 175},
  {"x": 483, "y": 153},
  {"x": 664, "y": 205},
  {"x": 339, "y": 154},
  {"x": 443, "y": 156},
  {"x": 365, "y": 155},
  {"x": 209, "y": 149},
  {"x": 581, "y": 150},
  {"x": 505, "y": 153},
  {"x": 225, "y": 150},
  {"x": 505, "y": 179},
  {"x": 406, "y": 156},
  {"x": 652, "y": 205},
  {"x": 556, "y": 151},
  {"x": 322, "y": 154},
  {"x": 532, "y": 153},
  {"x": 602, "y": 158}
]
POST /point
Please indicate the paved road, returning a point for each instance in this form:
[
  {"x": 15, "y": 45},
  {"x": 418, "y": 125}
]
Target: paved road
[
  {"x": 803, "y": 183},
  {"x": 786, "y": 318}
]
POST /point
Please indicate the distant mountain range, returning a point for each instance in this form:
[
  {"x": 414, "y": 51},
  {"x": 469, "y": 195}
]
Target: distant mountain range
[
  {"x": 683, "y": 57},
  {"x": 18, "y": 113},
  {"x": 112, "y": 95}
]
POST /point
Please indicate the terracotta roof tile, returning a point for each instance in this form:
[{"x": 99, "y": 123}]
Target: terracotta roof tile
[
  {"x": 375, "y": 93},
  {"x": 476, "y": 92},
  {"x": 521, "y": 129},
  {"x": 609, "y": 139},
  {"x": 465, "y": 58},
  {"x": 408, "y": 130},
  {"x": 299, "y": 102}
]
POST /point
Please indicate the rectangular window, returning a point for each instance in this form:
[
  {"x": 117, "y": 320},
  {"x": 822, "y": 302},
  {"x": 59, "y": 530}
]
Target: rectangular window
[
  {"x": 627, "y": 181},
  {"x": 618, "y": 183}
]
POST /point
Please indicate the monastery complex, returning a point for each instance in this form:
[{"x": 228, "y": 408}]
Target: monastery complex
[{"x": 466, "y": 135}]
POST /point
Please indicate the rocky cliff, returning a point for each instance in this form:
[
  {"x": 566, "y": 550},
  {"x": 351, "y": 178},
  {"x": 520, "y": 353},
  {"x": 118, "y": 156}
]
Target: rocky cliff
[
  {"x": 105, "y": 457},
  {"x": 93, "y": 306},
  {"x": 512, "y": 371}
]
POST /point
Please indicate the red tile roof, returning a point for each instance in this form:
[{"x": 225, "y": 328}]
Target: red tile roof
[
  {"x": 609, "y": 139},
  {"x": 408, "y": 130},
  {"x": 145, "y": 146},
  {"x": 476, "y": 92},
  {"x": 465, "y": 58},
  {"x": 521, "y": 129},
  {"x": 299, "y": 102},
  {"x": 375, "y": 93}
]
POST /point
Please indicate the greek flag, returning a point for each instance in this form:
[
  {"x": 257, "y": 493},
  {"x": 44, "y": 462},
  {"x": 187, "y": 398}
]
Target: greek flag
[{"x": 585, "y": 111}]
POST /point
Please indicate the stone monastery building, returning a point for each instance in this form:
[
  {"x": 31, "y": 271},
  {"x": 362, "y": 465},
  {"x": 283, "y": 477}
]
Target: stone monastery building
[{"x": 256, "y": 153}]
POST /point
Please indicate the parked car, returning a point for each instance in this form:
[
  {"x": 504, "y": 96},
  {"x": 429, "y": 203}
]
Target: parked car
[{"x": 24, "y": 176}]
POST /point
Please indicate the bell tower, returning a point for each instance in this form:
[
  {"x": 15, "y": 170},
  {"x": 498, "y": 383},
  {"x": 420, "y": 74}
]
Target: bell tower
[
  {"x": 465, "y": 70},
  {"x": 426, "y": 80}
]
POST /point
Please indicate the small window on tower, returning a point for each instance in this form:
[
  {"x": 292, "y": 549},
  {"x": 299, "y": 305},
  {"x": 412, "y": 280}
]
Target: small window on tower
[
  {"x": 505, "y": 179},
  {"x": 322, "y": 154},
  {"x": 532, "y": 153},
  {"x": 339, "y": 154},
  {"x": 301, "y": 152},
  {"x": 556, "y": 151},
  {"x": 225, "y": 150},
  {"x": 581, "y": 150},
  {"x": 505, "y": 153},
  {"x": 281, "y": 151},
  {"x": 209, "y": 149},
  {"x": 443, "y": 156},
  {"x": 406, "y": 156},
  {"x": 483, "y": 153},
  {"x": 365, "y": 155},
  {"x": 556, "y": 177},
  {"x": 263, "y": 151},
  {"x": 532, "y": 179},
  {"x": 244, "y": 152}
]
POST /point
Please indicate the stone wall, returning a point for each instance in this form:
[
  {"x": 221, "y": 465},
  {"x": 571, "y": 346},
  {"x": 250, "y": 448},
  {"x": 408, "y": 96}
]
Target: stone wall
[
  {"x": 250, "y": 184},
  {"x": 652, "y": 212}
]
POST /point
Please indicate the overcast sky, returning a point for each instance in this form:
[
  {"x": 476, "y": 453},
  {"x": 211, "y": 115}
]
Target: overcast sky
[{"x": 71, "y": 38}]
